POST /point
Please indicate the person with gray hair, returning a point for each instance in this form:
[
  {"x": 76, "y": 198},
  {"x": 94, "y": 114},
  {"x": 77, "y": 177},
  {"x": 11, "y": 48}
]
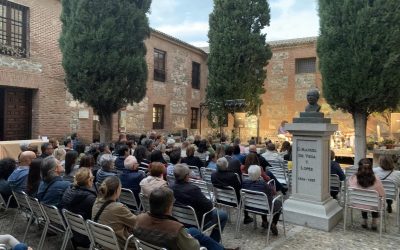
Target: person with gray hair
[
  {"x": 189, "y": 194},
  {"x": 223, "y": 177},
  {"x": 52, "y": 186},
  {"x": 106, "y": 170},
  {"x": 255, "y": 183}
]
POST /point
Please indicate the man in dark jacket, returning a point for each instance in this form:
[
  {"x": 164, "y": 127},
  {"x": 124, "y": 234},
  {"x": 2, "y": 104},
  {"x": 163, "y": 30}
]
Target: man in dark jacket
[
  {"x": 336, "y": 169},
  {"x": 223, "y": 178},
  {"x": 234, "y": 163},
  {"x": 189, "y": 194},
  {"x": 192, "y": 160},
  {"x": 47, "y": 150},
  {"x": 123, "y": 152},
  {"x": 131, "y": 177}
]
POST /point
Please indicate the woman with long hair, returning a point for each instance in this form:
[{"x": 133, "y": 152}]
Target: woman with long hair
[
  {"x": 252, "y": 159},
  {"x": 366, "y": 179},
  {"x": 33, "y": 182},
  {"x": 70, "y": 165},
  {"x": 108, "y": 211}
]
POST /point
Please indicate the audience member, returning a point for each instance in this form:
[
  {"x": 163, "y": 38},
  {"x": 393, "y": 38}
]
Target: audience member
[
  {"x": 285, "y": 148},
  {"x": 141, "y": 139},
  {"x": 386, "y": 171},
  {"x": 236, "y": 154},
  {"x": 59, "y": 154},
  {"x": 68, "y": 145},
  {"x": 79, "y": 198},
  {"x": 149, "y": 146},
  {"x": 87, "y": 161},
  {"x": 70, "y": 165},
  {"x": 34, "y": 178},
  {"x": 366, "y": 179},
  {"x": 271, "y": 154},
  {"x": 52, "y": 185},
  {"x": 175, "y": 158},
  {"x": 47, "y": 150},
  {"x": 236, "y": 142},
  {"x": 123, "y": 152},
  {"x": 106, "y": 169},
  {"x": 154, "y": 180},
  {"x": 163, "y": 149},
  {"x": 140, "y": 154},
  {"x": 19, "y": 176},
  {"x": 54, "y": 142},
  {"x": 184, "y": 146},
  {"x": 254, "y": 183},
  {"x": 189, "y": 194},
  {"x": 131, "y": 177},
  {"x": 202, "y": 151},
  {"x": 11, "y": 241},
  {"x": 336, "y": 169},
  {"x": 106, "y": 210},
  {"x": 234, "y": 164},
  {"x": 212, "y": 161},
  {"x": 7, "y": 167},
  {"x": 103, "y": 150},
  {"x": 192, "y": 160},
  {"x": 156, "y": 156},
  {"x": 220, "y": 151},
  {"x": 75, "y": 140}
]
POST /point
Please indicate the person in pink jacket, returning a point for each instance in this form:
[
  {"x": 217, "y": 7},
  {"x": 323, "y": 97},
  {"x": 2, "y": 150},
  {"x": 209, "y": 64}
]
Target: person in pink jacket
[{"x": 365, "y": 179}]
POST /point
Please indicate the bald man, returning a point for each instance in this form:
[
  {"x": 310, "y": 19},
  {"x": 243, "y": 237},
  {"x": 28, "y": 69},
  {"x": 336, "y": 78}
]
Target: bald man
[{"x": 19, "y": 177}]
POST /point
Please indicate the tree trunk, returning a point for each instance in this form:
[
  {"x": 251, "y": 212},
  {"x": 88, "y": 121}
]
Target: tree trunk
[
  {"x": 105, "y": 128},
  {"x": 360, "y": 128}
]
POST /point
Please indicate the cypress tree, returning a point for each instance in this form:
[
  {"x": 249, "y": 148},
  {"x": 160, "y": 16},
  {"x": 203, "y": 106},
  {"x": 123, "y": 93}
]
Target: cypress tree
[
  {"x": 238, "y": 54},
  {"x": 359, "y": 54},
  {"x": 102, "y": 43}
]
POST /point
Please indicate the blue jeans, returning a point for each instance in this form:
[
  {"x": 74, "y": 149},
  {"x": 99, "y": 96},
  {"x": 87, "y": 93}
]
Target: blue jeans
[
  {"x": 223, "y": 217},
  {"x": 204, "y": 240}
]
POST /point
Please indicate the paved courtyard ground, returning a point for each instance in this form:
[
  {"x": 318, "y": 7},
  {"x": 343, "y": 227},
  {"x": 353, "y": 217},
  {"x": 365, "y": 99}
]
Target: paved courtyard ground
[{"x": 297, "y": 237}]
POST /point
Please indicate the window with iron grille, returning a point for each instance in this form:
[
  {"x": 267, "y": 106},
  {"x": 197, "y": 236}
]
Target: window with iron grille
[
  {"x": 194, "y": 118},
  {"x": 305, "y": 65},
  {"x": 13, "y": 29},
  {"x": 195, "y": 75},
  {"x": 159, "y": 65},
  {"x": 158, "y": 116}
]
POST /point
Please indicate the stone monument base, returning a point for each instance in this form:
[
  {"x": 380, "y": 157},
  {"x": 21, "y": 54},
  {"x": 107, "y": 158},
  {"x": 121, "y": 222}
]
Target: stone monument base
[{"x": 319, "y": 215}]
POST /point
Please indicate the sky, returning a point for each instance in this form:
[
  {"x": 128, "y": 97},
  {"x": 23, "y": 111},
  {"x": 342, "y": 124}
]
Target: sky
[{"x": 187, "y": 20}]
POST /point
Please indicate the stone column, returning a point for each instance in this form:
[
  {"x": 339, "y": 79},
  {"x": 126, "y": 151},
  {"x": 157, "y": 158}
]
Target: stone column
[{"x": 310, "y": 203}]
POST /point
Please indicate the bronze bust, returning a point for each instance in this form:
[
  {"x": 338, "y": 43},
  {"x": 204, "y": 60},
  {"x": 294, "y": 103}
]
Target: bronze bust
[{"x": 312, "y": 98}]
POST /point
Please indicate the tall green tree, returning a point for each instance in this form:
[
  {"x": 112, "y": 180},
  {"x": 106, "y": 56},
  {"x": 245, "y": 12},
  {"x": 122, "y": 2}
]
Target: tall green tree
[
  {"x": 359, "y": 53},
  {"x": 102, "y": 43},
  {"x": 238, "y": 54}
]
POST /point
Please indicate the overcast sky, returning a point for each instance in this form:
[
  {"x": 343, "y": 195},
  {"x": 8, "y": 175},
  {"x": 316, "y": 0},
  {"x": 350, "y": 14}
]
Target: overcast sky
[{"x": 188, "y": 19}]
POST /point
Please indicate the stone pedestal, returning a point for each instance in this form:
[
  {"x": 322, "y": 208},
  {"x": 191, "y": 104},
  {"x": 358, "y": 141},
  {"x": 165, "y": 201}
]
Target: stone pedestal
[{"x": 310, "y": 203}]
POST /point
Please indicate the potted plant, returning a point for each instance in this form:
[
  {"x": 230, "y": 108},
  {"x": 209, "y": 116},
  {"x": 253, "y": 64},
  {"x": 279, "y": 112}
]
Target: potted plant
[{"x": 389, "y": 143}]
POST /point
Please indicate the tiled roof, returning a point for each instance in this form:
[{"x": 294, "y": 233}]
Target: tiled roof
[
  {"x": 290, "y": 42},
  {"x": 176, "y": 40}
]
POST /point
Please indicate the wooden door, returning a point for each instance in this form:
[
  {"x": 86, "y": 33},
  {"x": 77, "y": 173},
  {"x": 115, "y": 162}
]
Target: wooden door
[{"x": 17, "y": 114}]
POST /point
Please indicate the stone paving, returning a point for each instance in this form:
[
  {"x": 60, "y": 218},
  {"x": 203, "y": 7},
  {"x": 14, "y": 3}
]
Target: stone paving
[{"x": 297, "y": 237}]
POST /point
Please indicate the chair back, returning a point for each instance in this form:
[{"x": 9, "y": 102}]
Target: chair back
[
  {"x": 144, "y": 202},
  {"x": 335, "y": 184},
  {"x": 22, "y": 201},
  {"x": 102, "y": 235},
  {"x": 36, "y": 208},
  {"x": 97, "y": 185},
  {"x": 3, "y": 203},
  {"x": 195, "y": 170},
  {"x": 54, "y": 217},
  {"x": 225, "y": 196},
  {"x": 3, "y": 247},
  {"x": 391, "y": 189},
  {"x": 171, "y": 180},
  {"x": 364, "y": 199},
  {"x": 255, "y": 202},
  {"x": 278, "y": 170},
  {"x": 206, "y": 174},
  {"x": 349, "y": 171},
  {"x": 203, "y": 187},
  {"x": 128, "y": 198},
  {"x": 75, "y": 222},
  {"x": 185, "y": 215},
  {"x": 142, "y": 245}
]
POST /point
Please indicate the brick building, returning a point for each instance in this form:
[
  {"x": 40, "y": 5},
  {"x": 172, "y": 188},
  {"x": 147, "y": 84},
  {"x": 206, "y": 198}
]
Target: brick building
[{"x": 34, "y": 99}]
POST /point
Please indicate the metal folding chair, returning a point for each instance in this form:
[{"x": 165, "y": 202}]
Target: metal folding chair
[
  {"x": 392, "y": 193},
  {"x": 103, "y": 236},
  {"x": 206, "y": 174},
  {"x": 280, "y": 173},
  {"x": 142, "y": 245},
  {"x": 257, "y": 203},
  {"x": 365, "y": 200},
  {"x": 203, "y": 186},
  {"x": 76, "y": 223},
  {"x": 39, "y": 215},
  {"x": 336, "y": 186},
  {"x": 144, "y": 203},
  {"x": 128, "y": 198},
  {"x": 55, "y": 221},
  {"x": 23, "y": 208},
  {"x": 195, "y": 170}
]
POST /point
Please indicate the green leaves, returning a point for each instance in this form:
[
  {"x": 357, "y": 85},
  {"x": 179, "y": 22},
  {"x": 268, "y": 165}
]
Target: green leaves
[
  {"x": 238, "y": 54},
  {"x": 103, "y": 49}
]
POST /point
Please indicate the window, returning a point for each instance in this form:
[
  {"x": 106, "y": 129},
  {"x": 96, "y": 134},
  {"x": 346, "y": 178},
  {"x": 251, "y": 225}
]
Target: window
[
  {"x": 305, "y": 65},
  {"x": 194, "y": 118},
  {"x": 159, "y": 65},
  {"x": 158, "y": 116},
  {"x": 13, "y": 29},
  {"x": 195, "y": 75}
]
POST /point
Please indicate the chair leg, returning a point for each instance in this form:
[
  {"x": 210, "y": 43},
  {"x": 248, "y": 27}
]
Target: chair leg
[
  {"x": 41, "y": 242},
  {"x": 351, "y": 216},
  {"x": 15, "y": 218},
  {"x": 345, "y": 218},
  {"x": 269, "y": 227},
  {"x": 237, "y": 222},
  {"x": 380, "y": 226},
  {"x": 65, "y": 240},
  {"x": 27, "y": 227},
  {"x": 254, "y": 221},
  {"x": 283, "y": 222}
]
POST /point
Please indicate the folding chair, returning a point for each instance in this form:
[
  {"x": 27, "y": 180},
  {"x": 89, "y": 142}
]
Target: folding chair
[
  {"x": 392, "y": 193},
  {"x": 142, "y": 245},
  {"x": 23, "y": 208},
  {"x": 203, "y": 186},
  {"x": 365, "y": 200},
  {"x": 280, "y": 173},
  {"x": 349, "y": 171},
  {"x": 3, "y": 247},
  {"x": 187, "y": 216},
  {"x": 144, "y": 203},
  {"x": 170, "y": 180},
  {"x": 336, "y": 186},
  {"x": 39, "y": 215},
  {"x": 103, "y": 236},
  {"x": 195, "y": 170},
  {"x": 128, "y": 198},
  {"x": 55, "y": 221},
  {"x": 226, "y": 197},
  {"x": 4, "y": 207},
  {"x": 206, "y": 174},
  {"x": 257, "y": 203},
  {"x": 76, "y": 223}
]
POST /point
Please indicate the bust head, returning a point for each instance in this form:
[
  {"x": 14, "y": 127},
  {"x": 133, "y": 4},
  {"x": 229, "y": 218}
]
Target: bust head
[{"x": 312, "y": 96}]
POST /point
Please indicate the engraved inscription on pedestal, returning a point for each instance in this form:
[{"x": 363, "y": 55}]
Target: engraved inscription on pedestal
[{"x": 308, "y": 172}]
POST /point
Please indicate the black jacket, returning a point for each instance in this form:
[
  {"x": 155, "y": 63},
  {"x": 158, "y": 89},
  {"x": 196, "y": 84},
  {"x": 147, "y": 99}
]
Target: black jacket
[
  {"x": 234, "y": 165},
  {"x": 226, "y": 178},
  {"x": 79, "y": 200},
  {"x": 189, "y": 194},
  {"x": 262, "y": 161},
  {"x": 193, "y": 161}
]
